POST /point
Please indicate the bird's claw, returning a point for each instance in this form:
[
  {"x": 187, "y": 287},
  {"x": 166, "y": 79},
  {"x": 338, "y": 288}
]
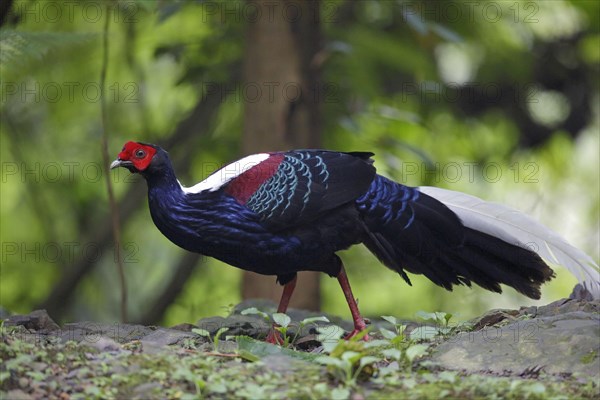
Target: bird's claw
[
  {"x": 356, "y": 332},
  {"x": 274, "y": 337},
  {"x": 359, "y": 326}
]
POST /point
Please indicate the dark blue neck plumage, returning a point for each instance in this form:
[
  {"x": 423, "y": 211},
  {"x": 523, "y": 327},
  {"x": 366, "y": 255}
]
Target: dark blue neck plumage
[
  {"x": 163, "y": 181},
  {"x": 198, "y": 222}
]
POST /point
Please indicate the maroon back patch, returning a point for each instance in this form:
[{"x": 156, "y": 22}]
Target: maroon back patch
[{"x": 244, "y": 186}]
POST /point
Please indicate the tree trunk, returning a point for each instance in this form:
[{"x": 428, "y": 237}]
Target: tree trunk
[{"x": 280, "y": 95}]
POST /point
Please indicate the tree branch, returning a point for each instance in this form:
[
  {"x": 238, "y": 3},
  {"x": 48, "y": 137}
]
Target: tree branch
[{"x": 114, "y": 208}]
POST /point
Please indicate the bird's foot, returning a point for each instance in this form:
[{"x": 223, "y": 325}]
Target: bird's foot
[
  {"x": 356, "y": 332},
  {"x": 359, "y": 326},
  {"x": 274, "y": 337}
]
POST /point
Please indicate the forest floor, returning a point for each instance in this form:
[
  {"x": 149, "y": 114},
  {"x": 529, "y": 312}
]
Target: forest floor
[{"x": 535, "y": 352}]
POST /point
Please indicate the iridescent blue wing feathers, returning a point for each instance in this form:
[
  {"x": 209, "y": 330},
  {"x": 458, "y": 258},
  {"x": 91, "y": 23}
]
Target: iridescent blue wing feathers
[{"x": 308, "y": 183}]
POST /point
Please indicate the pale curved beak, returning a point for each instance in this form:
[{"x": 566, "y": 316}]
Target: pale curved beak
[{"x": 120, "y": 163}]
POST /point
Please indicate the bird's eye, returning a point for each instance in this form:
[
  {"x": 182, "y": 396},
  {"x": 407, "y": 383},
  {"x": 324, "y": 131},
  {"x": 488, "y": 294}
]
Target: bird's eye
[{"x": 140, "y": 153}]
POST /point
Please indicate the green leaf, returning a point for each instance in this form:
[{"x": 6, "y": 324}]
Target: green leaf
[
  {"x": 201, "y": 332},
  {"x": 263, "y": 349},
  {"x": 401, "y": 329},
  {"x": 351, "y": 356},
  {"x": 218, "y": 335},
  {"x": 376, "y": 343},
  {"x": 448, "y": 317},
  {"x": 360, "y": 335},
  {"x": 340, "y": 393},
  {"x": 424, "y": 333},
  {"x": 447, "y": 376},
  {"x": 282, "y": 319},
  {"x": 409, "y": 383},
  {"x": 535, "y": 388},
  {"x": 387, "y": 333},
  {"x": 246, "y": 355},
  {"x": 415, "y": 351},
  {"x": 221, "y": 331},
  {"x": 310, "y": 320},
  {"x": 426, "y": 316},
  {"x": 392, "y": 320},
  {"x": 329, "y": 333},
  {"x": 254, "y": 310},
  {"x": 393, "y": 354},
  {"x": 368, "y": 360},
  {"x": 328, "y": 360},
  {"x": 92, "y": 391},
  {"x": 217, "y": 387},
  {"x": 200, "y": 383},
  {"x": 329, "y": 345}
]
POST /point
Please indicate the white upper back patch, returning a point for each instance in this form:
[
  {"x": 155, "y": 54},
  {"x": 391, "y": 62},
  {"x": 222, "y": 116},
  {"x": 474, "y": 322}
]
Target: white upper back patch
[{"x": 220, "y": 177}]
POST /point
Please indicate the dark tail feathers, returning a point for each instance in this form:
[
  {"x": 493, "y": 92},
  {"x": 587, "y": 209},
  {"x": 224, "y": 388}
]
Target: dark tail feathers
[{"x": 409, "y": 230}]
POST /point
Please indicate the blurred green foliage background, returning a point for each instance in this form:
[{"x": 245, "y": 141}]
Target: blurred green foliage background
[{"x": 496, "y": 99}]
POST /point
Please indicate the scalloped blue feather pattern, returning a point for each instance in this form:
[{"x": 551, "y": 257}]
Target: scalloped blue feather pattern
[
  {"x": 290, "y": 184},
  {"x": 387, "y": 201}
]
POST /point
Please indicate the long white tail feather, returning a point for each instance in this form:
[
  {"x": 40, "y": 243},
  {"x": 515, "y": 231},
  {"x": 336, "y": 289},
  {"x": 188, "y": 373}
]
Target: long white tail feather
[{"x": 517, "y": 228}]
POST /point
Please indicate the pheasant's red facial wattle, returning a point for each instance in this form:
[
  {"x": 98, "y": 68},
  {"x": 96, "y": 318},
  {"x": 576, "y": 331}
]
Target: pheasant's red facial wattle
[{"x": 140, "y": 155}]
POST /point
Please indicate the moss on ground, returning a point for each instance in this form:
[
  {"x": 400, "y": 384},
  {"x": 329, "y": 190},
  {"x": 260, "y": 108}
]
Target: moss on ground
[{"x": 37, "y": 366}]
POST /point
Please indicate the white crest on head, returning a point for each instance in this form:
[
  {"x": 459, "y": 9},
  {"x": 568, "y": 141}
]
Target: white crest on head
[{"x": 220, "y": 177}]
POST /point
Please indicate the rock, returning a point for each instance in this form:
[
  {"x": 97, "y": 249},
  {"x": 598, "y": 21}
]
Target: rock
[
  {"x": 248, "y": 325},
  {"x": 493, "y": 317},
  {"x": 568, "y": 305},
  {"x": 581, "y": 293},
  {"x": 184, "y": 327},
  {"x": 165, "y": 337},
  {"x": 91, "y": 332},
  {"x": 37, "y": 320},
  {"x": 106, "y": 344},
  {"x": 563, "y": 342},
  {"x": 158, "y": 340},
  {"x": 227, "y": 346},
  {"x": 282, "y": 364}
]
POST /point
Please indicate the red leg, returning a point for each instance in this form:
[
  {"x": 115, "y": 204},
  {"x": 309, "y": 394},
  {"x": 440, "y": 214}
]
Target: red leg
[
  {"x": 359, "y": 322},
  {"x": 274, "y": 337}
]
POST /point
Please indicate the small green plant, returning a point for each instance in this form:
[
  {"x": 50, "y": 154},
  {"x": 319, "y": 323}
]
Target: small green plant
[
  {"x": 282, "y": 323},
  {"x": 307, "y": 321},
  {"x": 397, "y": 336},
  {"x": 441, "y": 325},
  {"x": 397, "y": 346},
  {"x": 348, "y": 359},
  {"x": 214, "y": 340}
]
